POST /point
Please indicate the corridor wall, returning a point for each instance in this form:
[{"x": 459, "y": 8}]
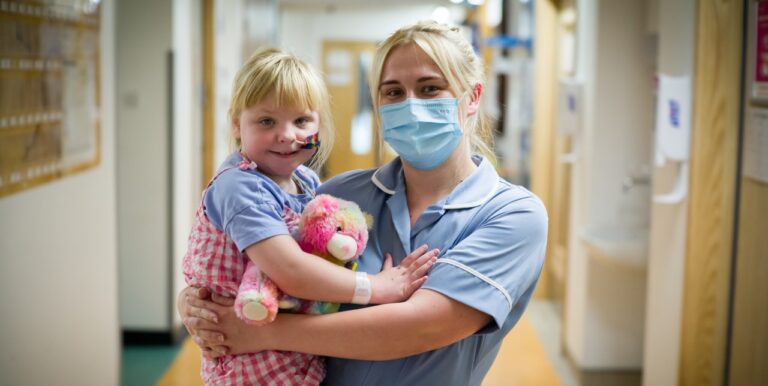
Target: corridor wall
[{"x": 58, "y": 265}]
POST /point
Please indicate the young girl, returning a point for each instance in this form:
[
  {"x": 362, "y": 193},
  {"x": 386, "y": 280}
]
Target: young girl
[{"x": 279, "y": 109}]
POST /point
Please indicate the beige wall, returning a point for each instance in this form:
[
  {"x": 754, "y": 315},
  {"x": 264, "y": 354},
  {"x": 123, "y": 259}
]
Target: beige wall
[
  {"x": 187, "y": 128},
  {"x": 143, "y": 177},
  {"x": 58, "y": 266},
  {"x": 605, "y": 298}
]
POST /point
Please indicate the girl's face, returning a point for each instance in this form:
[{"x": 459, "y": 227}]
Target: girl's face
[
  {"x": 269, "y": 133},
  {"x": 408, "y": 72}
]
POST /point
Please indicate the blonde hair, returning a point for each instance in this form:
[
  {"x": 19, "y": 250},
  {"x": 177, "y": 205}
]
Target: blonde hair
[
  {"x": 293, "y": 82},
  {"x": 453, "y": 54}
]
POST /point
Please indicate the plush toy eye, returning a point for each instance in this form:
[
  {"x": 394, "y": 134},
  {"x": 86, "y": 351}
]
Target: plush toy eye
[{"x": 338, "y": 229}]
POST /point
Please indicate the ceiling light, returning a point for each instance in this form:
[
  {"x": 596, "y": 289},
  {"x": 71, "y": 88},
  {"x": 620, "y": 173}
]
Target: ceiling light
[{"x": 441, "y": 15}]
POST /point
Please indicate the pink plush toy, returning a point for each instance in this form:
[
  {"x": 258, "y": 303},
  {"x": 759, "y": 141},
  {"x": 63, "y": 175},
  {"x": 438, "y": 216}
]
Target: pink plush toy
[{"x": 330, "y": 227}]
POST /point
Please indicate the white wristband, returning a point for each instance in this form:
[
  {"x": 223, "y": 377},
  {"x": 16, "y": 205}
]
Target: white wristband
[{"x": 362, "y": 289}]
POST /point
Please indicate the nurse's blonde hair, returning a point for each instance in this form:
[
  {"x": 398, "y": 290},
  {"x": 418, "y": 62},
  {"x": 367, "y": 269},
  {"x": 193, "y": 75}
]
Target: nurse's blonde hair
[
  {"x": 293, "y": 82},
  {"x": 453, "y": 54}
]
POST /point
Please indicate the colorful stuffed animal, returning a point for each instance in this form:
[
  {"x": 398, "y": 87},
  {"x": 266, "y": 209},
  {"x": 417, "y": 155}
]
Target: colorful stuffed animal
[{"x": 331, "y": 228}]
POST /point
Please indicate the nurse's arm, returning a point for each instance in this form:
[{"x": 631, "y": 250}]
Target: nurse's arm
[{"x": 427, "y": 321}]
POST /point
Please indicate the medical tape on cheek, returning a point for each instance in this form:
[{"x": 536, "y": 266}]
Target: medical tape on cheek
[{"x": 311, "y": 142}]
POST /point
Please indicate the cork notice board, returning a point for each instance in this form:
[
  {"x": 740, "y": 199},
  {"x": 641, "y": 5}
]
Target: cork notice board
[{"x": 49, "y": 91}]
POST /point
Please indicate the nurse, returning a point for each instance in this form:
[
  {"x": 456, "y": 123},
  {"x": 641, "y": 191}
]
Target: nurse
[{"x": 442, "y": 191}]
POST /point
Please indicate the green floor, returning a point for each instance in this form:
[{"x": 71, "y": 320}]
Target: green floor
[{"x": 144, "y": 365}]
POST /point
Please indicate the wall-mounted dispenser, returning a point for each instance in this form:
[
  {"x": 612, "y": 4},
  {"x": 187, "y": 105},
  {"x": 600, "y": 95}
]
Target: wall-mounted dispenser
[
  {"x": 569, "y": 115},
  {"x": 673, "y": 132}
]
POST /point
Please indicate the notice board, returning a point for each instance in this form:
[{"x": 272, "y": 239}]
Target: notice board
[{"x": 49, "y": 91}]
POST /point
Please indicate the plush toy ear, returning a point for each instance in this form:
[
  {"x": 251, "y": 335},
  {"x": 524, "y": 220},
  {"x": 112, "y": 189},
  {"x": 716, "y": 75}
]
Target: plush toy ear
[
  {"x": 317, "y": 211},
  {"x": 368, "y": 220},
  {"x": 322, "y": 206}
]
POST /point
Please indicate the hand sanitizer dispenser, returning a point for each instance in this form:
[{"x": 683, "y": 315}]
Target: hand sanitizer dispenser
[
  {"x": 673, "y": 132},
  {"x": 569, "y": 115}
]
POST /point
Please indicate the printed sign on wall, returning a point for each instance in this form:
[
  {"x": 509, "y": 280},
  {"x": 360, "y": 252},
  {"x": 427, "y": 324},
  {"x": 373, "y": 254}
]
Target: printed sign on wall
[{"x": 760, "y": 48}]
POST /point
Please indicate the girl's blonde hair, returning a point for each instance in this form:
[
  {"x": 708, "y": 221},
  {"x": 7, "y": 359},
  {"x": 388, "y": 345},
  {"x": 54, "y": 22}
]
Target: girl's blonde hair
[
  {"x": 453, "y": 54},
  {"x": 293, "y": 82}
]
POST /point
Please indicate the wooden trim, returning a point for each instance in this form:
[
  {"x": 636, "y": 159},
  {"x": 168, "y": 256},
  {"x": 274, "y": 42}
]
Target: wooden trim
[
  {"x": 712, "y": 192},
  {"x": 209, "y": 102},
  {"x": 748, "y": 336},
  {"x": 749, "y": 347},
  {"x": 544, "y": 109}
]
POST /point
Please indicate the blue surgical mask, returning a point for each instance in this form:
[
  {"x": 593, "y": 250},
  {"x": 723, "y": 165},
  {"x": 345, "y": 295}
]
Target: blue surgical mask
[{"x": 423, "y": 132}]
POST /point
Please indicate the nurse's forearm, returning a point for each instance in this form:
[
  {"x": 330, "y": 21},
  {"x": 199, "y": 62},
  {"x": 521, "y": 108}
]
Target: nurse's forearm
[{"x": 428, "y": 320}]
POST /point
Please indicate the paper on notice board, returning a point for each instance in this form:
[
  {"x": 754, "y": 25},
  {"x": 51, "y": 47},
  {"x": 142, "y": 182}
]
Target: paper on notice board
[
  {"x": 755, "y": 163},
  {"x": 338, "y": 65}
]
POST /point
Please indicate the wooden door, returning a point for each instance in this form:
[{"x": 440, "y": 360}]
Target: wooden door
[
  {"x": 712, "y": 197},
  {"x": 748, "y": 333},
  {"x": 209, "y": 107},
  {"x": 346, "y": 66}
]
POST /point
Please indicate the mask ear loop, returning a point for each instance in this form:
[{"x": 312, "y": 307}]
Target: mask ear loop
[{"x": 459, "y": 111}]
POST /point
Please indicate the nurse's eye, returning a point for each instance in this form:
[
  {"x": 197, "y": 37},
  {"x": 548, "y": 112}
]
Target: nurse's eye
[
  {"x": 392, "y": 93},
  {"x": 431, "y": 89}
]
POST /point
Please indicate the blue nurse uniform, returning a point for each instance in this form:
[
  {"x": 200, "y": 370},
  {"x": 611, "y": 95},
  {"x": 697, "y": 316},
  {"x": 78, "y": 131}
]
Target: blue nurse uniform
[{"x": 492, "y": 238}]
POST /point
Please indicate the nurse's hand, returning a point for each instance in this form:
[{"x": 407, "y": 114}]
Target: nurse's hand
[
  {"x": 396, "y": 284},
  {"x": 195, "y": 306},
  {"x": 228, "y": 335}
]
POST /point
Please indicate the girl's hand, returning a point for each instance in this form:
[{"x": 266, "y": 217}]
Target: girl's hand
[
  {"x": 194, "y": 306},
  {"x": 396, "y": 284}
]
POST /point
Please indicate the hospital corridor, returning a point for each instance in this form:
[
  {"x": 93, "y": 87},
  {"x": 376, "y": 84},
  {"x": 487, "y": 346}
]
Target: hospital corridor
[{"x": 636, "y": 130}]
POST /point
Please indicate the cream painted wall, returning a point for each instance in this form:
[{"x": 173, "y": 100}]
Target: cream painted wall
[
  {"x": 302, "y": 31},
  {"x": 605, "y": 301},
  {"x": 666, "y": 266},
  {"x": 187, "y": 128},
  {"x": 228, "y": 57},
  {"x": 143, "y": 178},
  {"x": 576, "y": 291},
  {"x": 58, "y": 266}
]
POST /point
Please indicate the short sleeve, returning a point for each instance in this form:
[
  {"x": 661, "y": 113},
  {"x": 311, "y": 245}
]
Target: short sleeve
[
  {"x": 243, "y": 208},
  {"x": 497, "y": 262},
  {"x": 308, "y": 177}
]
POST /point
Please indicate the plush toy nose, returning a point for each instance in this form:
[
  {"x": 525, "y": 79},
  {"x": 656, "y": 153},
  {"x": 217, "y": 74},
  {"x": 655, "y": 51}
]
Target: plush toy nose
[{"x": 342, "y": 247}]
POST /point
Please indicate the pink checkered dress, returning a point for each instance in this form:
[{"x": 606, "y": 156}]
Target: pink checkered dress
[{"x": 213, "y": 261}]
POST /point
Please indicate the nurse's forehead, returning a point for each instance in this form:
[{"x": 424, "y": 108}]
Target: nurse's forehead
[
  {"x": 424, "y": 79},
  {"x": 410, "y": 67},
  {"x": 409, "y": 52}
]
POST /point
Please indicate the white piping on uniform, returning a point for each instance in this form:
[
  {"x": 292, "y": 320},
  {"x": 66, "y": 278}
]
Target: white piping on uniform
[
  {"x": 380, "y": 185},
  {"x": 479, "y": 276},
  {"x": 476, "y": 203}
]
